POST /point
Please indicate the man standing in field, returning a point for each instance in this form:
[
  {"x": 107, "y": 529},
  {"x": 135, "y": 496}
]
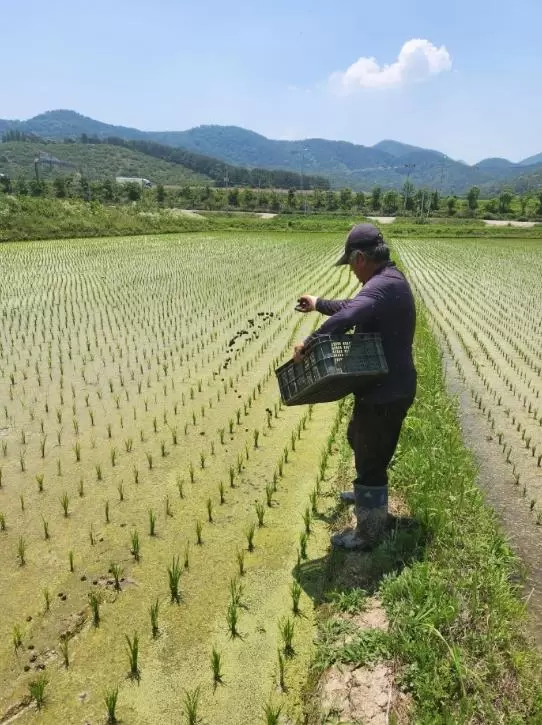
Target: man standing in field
[{"x": 384, "y": 305}]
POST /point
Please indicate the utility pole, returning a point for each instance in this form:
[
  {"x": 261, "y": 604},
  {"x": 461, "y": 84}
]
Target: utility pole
[
  {"x": 303, "y": 195},
  {"x": 409, "y": 168}
]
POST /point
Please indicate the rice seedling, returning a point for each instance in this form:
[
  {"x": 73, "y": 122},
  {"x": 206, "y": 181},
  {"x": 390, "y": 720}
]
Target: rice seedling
[
  {"x": 174, "y": 577},
  {"x": 307, "y": 520},
  {"x": 136, "y": 475},
  {"x": 272, "y": 713},
  {"x": 149, "y": 460},
  {"x": 210, "y": 510},
  {"x": 152, "y": 523},
  {"x": 46, "y": 600},
  {"x": 77, "y": 451},
  {"x": 99, "y": 475},
  {"x": 232, "y": 619},
  {"x": 282, "y": 681},
  {"x": 21, "y": 500},
  {"x": 154, "y": 610},
  {"x": 256, "y": 436},
  {"x": 199, "y": 529},
  {"x": 17, "y": 637},
  {"x": 65, "y": 503},
  {"x": 37, "y": 690},
  {"x": 286, "y": 629},
  {"x": 2, "y": 521},
  {"x": 186, "y": 562},
  {"x": 216, "y": 667},
  {"x": 94, "y": 601},
  {"x": 232, "y": 476},
  {"x": 260, "y": 513},
  {"x": 132, "y": 650},
  {"x": 249, "y": 533},
  {"x": 191, "y": 706},
  {"x": 295, "y": 591},
  {"x": 106, "y": 511},
  {"x": 91, "y": 535},
  {"x": 39, "y": 481},
  {"x": 135, "y": 548},
  {"x": 240, "y": 556},
  {"x": 110, "y": 698},
  {"x": 236, "y": 591},
  {"x": 71, "y": 561},
  {"x": 117, "y": 572},
  {"x": 269, "y": 491},
  {"x": 21, "y": 551},
  {"x": 169, "y": 510},
  {"x": 64, "y": 650},
  {"x": 314, "y": 502},
  {"x": 191, "y": 472},
  {"x": 303, "y": 541}
]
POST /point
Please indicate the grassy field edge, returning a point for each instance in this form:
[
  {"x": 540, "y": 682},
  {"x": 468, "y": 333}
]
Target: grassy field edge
[
  {"x": 449, "y": 583},
  {"x": 28, "y": 218}
]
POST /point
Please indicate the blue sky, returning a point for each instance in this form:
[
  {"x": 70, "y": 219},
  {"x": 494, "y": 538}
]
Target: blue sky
[{"x": 471, "y": 90}]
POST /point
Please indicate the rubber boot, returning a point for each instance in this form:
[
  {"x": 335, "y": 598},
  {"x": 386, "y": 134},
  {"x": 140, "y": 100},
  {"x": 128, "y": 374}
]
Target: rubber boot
[
  {"x": 347, "y": 497},
  {"x": 371, "y": 504}
]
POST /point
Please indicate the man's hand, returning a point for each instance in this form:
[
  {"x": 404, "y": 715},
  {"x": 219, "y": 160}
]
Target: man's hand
[
  {"x": 299, "y": 353},
  {"x": 307, "y": 303}
]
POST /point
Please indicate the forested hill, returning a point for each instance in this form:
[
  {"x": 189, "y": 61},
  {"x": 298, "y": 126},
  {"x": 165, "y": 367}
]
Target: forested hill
[
  {"x": 105, "y": 159},
  {"x": 388, "y": 163}
]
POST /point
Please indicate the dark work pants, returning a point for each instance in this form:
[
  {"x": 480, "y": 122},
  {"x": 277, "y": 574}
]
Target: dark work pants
[{"x": 373, "y": 434}]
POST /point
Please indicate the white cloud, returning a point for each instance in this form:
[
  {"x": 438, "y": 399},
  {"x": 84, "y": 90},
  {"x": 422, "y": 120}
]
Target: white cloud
[{"x": 418, "y": 60}]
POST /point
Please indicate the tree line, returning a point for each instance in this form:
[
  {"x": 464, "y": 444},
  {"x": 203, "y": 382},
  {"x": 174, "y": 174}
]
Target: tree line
[{"x": 410, "y": 201}]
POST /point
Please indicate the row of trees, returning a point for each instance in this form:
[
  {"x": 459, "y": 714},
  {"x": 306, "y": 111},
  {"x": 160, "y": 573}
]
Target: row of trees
[{"x": 409, "y": 201}]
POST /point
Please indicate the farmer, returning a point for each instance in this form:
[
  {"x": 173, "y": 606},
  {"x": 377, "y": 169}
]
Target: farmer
[{"x": 385, "y": 305}]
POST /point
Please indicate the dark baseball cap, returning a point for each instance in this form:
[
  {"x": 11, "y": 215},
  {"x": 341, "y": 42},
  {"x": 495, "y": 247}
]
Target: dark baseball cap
[{"x": 362, "y": 236}]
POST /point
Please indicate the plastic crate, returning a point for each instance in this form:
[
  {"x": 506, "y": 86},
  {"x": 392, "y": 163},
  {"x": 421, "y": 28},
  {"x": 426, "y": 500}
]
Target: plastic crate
[{"x": 334, "y": 366}]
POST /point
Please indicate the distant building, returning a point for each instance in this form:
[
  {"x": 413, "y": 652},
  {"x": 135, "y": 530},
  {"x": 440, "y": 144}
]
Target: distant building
[{"x": 134, "y": 180}]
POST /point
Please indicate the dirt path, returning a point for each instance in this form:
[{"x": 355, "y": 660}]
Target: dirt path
[
  {"x": 505, "y": 223},
  {"x": 383, "y": 219}
]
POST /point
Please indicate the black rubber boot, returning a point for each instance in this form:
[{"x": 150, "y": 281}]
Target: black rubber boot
[{"x": 371, "y": 519}]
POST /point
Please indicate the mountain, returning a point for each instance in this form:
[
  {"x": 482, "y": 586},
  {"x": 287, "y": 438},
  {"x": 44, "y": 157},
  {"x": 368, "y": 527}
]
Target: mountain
[
  {"x": 388, "y": 163},
  {"x": 495, "y": 163},
  {"x": 395, "y": 148},
  {"x": 536, "y": 159},
  {"x": 101, "y": 161}
]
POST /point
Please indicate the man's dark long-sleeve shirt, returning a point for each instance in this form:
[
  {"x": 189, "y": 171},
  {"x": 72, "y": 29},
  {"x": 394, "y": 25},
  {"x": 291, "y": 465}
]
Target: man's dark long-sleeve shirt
[{"x": 384, "y": 304}]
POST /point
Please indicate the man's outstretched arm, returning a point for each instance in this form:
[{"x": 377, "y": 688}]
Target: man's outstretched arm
[
  {"x": 310, "y": 303},
  {"x": 351, "y": 313},
  {"x": 329, "y": 307}
]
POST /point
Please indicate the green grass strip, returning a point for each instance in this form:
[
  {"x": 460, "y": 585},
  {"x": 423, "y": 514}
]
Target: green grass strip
[{"x": 457, "y": 620}]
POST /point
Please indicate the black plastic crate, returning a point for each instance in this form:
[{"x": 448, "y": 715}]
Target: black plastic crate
[{"x": 334, "y": 366}]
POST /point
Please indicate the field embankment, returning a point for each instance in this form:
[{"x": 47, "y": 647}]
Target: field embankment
[{"x": 34, "y": 218}]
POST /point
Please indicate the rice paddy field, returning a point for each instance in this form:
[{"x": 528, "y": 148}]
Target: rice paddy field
[
  {"x": 156, "y": 498},
  {"x": 155, "y": 495},
  {"x": 485, "y": 300}
]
